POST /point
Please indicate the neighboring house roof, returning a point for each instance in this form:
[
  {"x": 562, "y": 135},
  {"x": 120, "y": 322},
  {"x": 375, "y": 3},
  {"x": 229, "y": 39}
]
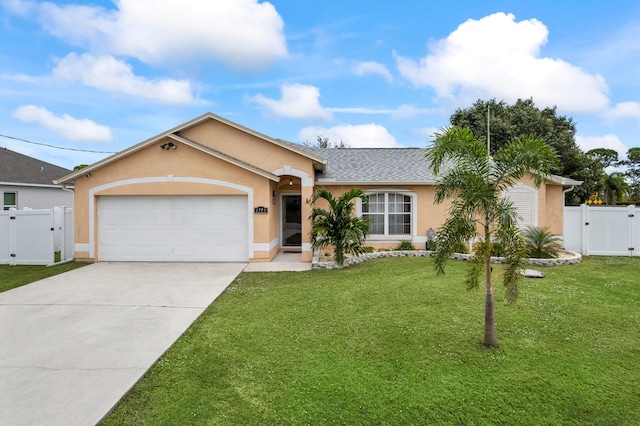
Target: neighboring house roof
[
  {"x": 21, "y": 169},
  {"x": 373, "y": 166},
  {"x": 318, "y": 162}
]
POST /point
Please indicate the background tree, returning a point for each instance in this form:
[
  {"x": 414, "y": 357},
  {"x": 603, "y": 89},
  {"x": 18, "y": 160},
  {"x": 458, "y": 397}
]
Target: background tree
[
  {"x": 595, "y": 175},
  {"x": 324, "y": 142},
  {"x": 615, "y": 188},
  {"x": 475, "y": 183},
  {"x": 337, "y": 226},
  {"x": 509, "y": 122},
  {"x": 604, "y": 156},
  {"x": 633, "y": 173}
]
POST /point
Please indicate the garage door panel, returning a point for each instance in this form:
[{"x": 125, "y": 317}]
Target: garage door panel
[{"x": 173, "y": 228}]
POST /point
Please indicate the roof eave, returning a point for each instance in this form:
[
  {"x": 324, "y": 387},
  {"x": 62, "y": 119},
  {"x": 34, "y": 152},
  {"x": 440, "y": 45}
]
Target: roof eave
[
  {"x": 564, "y": 181},
  {"x": 53, "y": 184},
  {"x": 318, "y": 161}
]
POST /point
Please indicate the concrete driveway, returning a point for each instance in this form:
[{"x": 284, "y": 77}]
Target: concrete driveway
[{"x": 72, "y": 345}]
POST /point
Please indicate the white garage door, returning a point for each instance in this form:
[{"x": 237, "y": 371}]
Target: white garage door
[{"x": 173, "y": 228}]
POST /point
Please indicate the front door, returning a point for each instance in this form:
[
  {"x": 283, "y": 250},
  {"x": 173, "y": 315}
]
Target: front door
[{"x": 291, "y": 220}]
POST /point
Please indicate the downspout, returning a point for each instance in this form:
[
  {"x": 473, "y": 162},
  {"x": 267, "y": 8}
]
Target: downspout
[
  {"x": 564, "y": 204},
  {"x": 64, "y": 188}
]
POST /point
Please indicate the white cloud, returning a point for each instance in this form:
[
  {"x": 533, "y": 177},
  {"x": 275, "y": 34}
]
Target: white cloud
[
  {"x": 429, "y": 132},
  {"x": 410, "y": 111},
  {"x": 624, "y": 110},
  {"x": 355, "y": 136},
  {"x": 587, "y": 143},
  {"x": 362, "y": 68},
  {"x": 499, "y": 57},
  {"x": 403, "y": 111},
  {"x": 243, "y": 34},
  {"x": 298, "y": 101},
  {"x": 114, "y": 76},
  {"x": 65, "y": 125},
  {"x": 18, "y": 7},
  {"x": 362, "y": 110}
]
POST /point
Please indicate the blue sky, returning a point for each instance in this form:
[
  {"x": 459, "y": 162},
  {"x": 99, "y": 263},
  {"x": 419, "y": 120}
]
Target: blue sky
[{"x": 102, "y": 75}]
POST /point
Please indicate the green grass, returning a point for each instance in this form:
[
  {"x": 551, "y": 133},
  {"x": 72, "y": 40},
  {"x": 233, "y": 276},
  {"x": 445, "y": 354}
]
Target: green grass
[
  {"x": 389, "y": 343},
  {"x": 19, "y": 275}
]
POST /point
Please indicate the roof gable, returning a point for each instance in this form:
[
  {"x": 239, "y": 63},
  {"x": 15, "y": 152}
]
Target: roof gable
[
  {"x": 22, "y": 169},
  {"x": 221, "y": 155},
  {"x": 175, "y": 132}
]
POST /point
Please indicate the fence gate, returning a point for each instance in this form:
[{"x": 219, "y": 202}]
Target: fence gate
[
  {"x": 605, "y": 231},
  {"x": 28, "y": 237}
]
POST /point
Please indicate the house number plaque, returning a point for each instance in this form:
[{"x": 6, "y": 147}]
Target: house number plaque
[{"x": 261, "y": 209}]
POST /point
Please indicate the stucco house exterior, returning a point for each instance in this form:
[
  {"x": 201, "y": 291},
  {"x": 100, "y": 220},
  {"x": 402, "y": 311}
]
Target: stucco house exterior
[
  {"x": 213, "y": 190},
  {"x": 26, "y": 182}
]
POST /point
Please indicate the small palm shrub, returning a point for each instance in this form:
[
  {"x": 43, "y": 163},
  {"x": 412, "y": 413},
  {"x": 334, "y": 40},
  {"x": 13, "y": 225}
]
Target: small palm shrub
[
  {"x": 337, "y": 226},
  {"x": 461, "y": 247},
  {"x": 541, "y": 243},
  {"x": 406, "y": 245}
]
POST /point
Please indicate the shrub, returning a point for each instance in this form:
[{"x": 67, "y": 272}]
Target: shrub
[
  {"x": 541, "y": 243},
  {"x": 460, "y": 247},
  {"x": 406, "y": 245}
]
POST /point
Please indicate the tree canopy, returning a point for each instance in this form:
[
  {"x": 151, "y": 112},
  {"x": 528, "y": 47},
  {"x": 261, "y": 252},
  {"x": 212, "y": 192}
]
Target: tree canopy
[
  {"x": 632, "y": 173},
  {"x": 508, "y": 122},
  {"x": 324, "y": 142}
]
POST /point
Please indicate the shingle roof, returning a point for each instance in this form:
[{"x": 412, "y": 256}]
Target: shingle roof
[
  {"x": 19, "y": 168},
  {"x": 373, "y": 165},
  {"x": 384, "y": 165}
]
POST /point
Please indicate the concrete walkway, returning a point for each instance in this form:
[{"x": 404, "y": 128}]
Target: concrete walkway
[
  {"x": 72, "y": 345},
  {"x": 282, "y": 262}
]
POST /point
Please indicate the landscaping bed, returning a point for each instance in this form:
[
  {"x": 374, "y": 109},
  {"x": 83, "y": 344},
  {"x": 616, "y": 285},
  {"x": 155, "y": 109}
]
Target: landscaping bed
[{"x": 326, "y": 262}]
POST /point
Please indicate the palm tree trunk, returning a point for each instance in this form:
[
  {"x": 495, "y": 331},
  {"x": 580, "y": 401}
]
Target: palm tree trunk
[{"x": 490, "y": 335}]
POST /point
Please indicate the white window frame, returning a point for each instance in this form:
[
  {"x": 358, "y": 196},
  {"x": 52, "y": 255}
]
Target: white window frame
[
  {"x": 10, "y": 206},
  {"x": 414, "y": 215}
]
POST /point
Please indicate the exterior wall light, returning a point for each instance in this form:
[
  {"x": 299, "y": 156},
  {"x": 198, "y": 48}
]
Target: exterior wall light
[{"x": 168, "y": 146}]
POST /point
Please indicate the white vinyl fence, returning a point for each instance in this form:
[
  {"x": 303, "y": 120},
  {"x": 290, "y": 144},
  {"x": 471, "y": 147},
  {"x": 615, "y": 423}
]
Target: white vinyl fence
[
  {"x": 604, "y": 231},
  {"x": 32, "y": 237}
]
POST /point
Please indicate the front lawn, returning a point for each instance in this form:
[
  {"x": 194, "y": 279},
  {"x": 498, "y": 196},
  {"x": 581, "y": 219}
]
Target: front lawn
[
  {"x": 19, "y": 275},
  {"x": 389, "y": 342}
]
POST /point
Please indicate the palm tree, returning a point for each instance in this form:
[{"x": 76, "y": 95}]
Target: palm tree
[
  {"x": 541, "y": 244},
  {"x": 336, "y": 226},
  {"x": 615, "y": 187},
  {"x": 475, "y": 183}
]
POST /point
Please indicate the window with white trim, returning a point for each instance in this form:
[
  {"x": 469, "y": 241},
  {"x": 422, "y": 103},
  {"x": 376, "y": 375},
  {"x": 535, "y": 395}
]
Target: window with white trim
[
  {"x": 10, "y": 200},
  {"x": 390, "y": 213}
]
